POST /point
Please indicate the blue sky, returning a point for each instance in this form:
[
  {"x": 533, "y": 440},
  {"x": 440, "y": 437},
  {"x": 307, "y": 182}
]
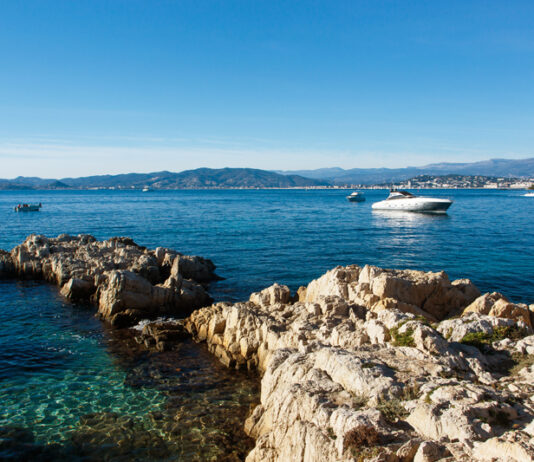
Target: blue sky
[{"x": 90, "y": 87}]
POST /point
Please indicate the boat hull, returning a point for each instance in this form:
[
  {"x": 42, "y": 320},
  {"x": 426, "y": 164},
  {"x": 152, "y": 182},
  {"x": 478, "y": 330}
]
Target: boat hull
[
  {"x": 29, "y": 208},
  {"x": 417, "y": 204},
  {"x": 355, "y": 198}
]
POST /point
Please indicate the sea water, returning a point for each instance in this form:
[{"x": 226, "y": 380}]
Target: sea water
[{"x": 73, "y": 388}]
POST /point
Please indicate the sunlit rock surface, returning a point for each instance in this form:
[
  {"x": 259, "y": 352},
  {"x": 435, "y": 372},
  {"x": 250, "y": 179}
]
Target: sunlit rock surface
[
  {"x": 126, "y": 281},
  {"x": 374, "y": 364}
]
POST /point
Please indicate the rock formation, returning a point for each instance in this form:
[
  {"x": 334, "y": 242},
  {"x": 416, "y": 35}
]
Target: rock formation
[
  {"x": 382, "y": 365},
  {"x": 126, "y": 281}
]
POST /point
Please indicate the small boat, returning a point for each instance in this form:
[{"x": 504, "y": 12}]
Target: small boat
[
  {"x": 28, "y": 207},
  {"x": 408, "y": 202},
  {"x": 529, "y": 194},
  {"x": 356, "y": 196},
  {"x": 146, "y": 189}
]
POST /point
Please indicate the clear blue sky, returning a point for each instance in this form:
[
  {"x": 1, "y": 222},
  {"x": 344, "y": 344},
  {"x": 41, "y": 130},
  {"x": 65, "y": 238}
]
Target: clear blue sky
[{"x": 89, "y": 87}]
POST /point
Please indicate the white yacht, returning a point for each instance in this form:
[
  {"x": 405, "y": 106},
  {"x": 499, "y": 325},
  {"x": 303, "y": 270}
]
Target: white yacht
[
  {"x": 356, "y": 196},
  {"x": 529, "y": 194},
  {"x": 408, "y": 202}
]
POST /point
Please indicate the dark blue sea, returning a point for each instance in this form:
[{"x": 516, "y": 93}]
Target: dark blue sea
[{"x": 72, "y": 388}]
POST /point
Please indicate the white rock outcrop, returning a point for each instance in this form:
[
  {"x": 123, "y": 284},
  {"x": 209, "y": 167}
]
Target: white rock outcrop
[
  {"x": 127, "y": 282},
  {"x": 353, "y": 369}
]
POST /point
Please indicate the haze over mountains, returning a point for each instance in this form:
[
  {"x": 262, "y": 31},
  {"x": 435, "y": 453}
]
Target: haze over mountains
[
  {"x": 190, "y": 179},
  {"x": 253, "y": 178},
  {"x": 518, "y": 168}
]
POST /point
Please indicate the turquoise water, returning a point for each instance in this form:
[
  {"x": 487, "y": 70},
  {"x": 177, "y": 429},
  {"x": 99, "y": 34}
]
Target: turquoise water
[
  {"x": 54, "y": 366},
  {"x": 72, "y": 388}
]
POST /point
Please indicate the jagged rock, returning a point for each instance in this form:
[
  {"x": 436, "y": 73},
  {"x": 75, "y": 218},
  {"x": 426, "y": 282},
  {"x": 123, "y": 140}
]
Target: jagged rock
[
  {"x": 458, "y": 411},
  {"x": 355, "y": 356},
  {"x": 7, "y": 268},
  {"x": 512, "y": 447},
  {"x": 429, "y": 451},
  {"x": 495, "y": 304},
  {"x": 163, "y": 335},
  {"x": 197, "y": 268},
  {"x": 427, "y": 294},
  {"x": 274, "y": 294},
  {"x": 456, "y": 329},
  {"x": 78, "y": 289},
  {"x": 126, "y": 281},
  {"x": 335, "y": 282},
  {"x": 407, "y": 451}
]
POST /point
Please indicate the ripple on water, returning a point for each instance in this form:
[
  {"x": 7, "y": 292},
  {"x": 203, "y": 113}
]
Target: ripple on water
[{"x": 95, "y": 394}]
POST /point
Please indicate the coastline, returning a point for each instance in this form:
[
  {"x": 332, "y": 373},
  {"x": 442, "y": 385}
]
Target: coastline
[{"x": 329, "y": 358}]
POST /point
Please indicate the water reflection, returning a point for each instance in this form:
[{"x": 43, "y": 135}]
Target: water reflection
[{"x": 402, "y": 218}]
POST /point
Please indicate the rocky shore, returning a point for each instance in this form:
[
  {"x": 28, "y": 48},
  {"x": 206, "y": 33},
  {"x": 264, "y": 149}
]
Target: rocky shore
[
  {"x": 362, "y": 364},
  {"x": 382, "y": 365},
  {"x": 126, "y": 281}
]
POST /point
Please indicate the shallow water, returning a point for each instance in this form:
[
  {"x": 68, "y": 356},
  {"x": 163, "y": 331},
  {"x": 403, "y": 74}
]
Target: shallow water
[
  {"x": 81, "y": 389},
  {"x": 72, "y": 389}
]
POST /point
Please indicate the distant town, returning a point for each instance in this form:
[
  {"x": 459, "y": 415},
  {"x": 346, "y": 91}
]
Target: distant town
[
  {"x": 245, "y": 178},
  {"x": 455, "y": 182}
]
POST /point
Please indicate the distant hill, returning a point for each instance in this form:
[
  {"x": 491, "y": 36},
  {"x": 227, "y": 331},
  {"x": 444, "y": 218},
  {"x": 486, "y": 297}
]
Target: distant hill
[
  {"x": 521, "y": 168},
  {"x": 31, "y": 183},
  {"x": 203, "y": 178},
  {"x": 190, "y": 179}
]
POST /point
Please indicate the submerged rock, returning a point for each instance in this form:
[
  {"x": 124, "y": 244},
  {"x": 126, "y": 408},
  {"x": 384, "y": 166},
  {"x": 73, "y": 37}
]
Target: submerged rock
[
  {"x": 163, "y": 335},
  {"x": 127, "y": 282},
  {"x": 352, "y": 369}
]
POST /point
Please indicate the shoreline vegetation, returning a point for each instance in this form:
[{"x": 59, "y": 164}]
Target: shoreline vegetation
[{"x": 363, "y": 363}]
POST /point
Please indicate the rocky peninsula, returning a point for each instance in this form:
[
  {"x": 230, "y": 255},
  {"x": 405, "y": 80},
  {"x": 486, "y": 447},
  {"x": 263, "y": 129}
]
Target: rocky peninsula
[
  {"x": 127, "y": 282},
  {"x": 364, "y": 363}
]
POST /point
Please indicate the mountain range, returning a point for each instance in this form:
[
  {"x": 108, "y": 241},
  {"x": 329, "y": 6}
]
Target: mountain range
[
  {"x": 204, "y": 178},
  {"x": 190, "y": 179},
  {"x": 519, "y": 168}
]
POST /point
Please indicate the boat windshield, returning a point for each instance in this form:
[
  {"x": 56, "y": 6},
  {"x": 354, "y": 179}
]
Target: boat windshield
[{"x": 400, "y": 195}]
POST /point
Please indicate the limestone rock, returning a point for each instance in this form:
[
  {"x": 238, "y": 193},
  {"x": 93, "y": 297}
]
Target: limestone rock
[
  {"x": 127, "y": 281},
  {"x": 495, "y": 304},
  {"x": 456, "y": 329},
  {"x": 511, "y": 447},
  {"x": 78, "y": 289},
  {"x": 353, "y": 370},
  {"x": 7, "y": 268},
  {"x": 272, "y": 295}
]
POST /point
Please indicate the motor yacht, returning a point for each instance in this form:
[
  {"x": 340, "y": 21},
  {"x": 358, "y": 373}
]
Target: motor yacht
[
  {"x": 529, "y": 194},
  {"x": 408, "y": 202},
  {"x": 356, "y": 196}
]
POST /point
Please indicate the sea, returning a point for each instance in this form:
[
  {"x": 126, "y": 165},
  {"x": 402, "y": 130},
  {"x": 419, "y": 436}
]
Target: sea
[{"x": 72, "y": 388}]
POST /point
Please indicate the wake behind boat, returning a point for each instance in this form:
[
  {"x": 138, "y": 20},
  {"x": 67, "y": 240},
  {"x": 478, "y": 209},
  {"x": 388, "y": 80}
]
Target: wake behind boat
[{"x": 408, "y": 202}]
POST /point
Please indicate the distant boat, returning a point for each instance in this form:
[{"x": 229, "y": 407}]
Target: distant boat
[
  {"x": 408, "y": 202},
  {"x": 146, "y": 189},
  {"x": 28, "y": 207},
  {"x": 529, "y": 194},
  {"x": 356, "y": 196}
]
